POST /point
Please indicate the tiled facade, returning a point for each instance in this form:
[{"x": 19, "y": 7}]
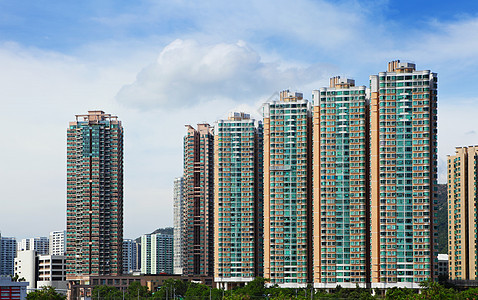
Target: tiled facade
[
  {"x": 57, "y": 242},
  {"x": 198, "y": 193},
  {"x": 131, "y": 256},
  {"x": 157, "y": 253},
  {"x": 94, "y": 195},
  {"x": 341, "y": 178},
  {"x": 238, "y": 197},
  {"x": 178, "y": 211},
  {"x": 403, "y": 175},
  {"x": 39, "y": 244},
  {"x": 462, "y": 220},
  {"x": 8, "y": 251},
  {"x": 288, "y": 190}
]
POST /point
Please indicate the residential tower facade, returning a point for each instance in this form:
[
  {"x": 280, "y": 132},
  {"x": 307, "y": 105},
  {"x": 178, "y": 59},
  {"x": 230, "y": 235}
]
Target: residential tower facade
[
  {"x": 238, "y": 197},
  {"x": 157, "y": 253},
  {"x": 341, "y": 178},
  {"x": 462, "y": 188},
  {"x": 94, "y": 195},
  {"x": 403, "y": 128},
  {"x": 198, "y": 187},
  {"x": 178, "y": 211},
  {"x": 288, "y": 190}
]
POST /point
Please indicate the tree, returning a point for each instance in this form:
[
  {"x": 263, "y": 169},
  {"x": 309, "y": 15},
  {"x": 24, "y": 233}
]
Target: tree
[
  {"x": 255, "y": 288},
  {"x": 106, "y": 292},
  {"x": 433, "y": 290},
  {"x": 171, "y": 287},
  {"x": 46, "y": 293},
  {"x": 135, "y": 290}
]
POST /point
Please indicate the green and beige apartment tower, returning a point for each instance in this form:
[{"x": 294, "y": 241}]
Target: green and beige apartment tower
[
  {"x": 94, "y": 219},
  {"x": 288, "y": 190},
  {"x": 238, "y": 200},
  {"x": 198, "y": 200},
  {"x": 403, "y": 153},
  {"x": 341, "y": 178},
  {"x": 462, "y": 188}
]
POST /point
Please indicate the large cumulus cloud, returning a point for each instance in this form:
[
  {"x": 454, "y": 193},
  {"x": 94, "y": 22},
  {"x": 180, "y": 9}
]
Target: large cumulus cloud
[{"x": 187, "y": 73}]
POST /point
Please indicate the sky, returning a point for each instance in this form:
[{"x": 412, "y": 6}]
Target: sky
[{"x": 159, "y": 65}]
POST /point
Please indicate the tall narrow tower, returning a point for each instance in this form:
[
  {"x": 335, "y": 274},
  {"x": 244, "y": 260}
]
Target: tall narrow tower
[
  {"x": 178, "y": 225},
  {"x": 462, "y": 220},
  {"x": 403, "y": 125},
  {"x": 341, "y": 181},
  {"x": 288, "y": 190},
  {"x": 198, "y": 187},
  {"x": 238, "y": 198},
  {"x": 94, "y": 195}
]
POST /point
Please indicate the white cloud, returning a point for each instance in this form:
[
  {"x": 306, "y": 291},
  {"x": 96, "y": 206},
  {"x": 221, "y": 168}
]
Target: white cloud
[{"x": 187, "y": 73}]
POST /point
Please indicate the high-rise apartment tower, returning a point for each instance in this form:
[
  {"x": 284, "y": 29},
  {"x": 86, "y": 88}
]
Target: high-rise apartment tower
[
  {"x": 157, "y": 253},
  {"x": 198, "y": 193},
  {"x": 8, "y": 251},
  {"x": 131, "y": 256},
  {"x": 288, "y": 190},
  {"x": 341, "y": 180},
  {"x": 403, "y": 132},
  {"x": 238, "y": 197},
  {"x": 462, "y": 219},
  {"x": 94, "y": 195},
  {"x": 178, "y": 225}
]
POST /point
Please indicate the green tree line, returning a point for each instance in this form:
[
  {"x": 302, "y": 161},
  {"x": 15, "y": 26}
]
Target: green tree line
[{"x": 173, "y": 289}]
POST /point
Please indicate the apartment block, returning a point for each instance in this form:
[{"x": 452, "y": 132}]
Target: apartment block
[
  {"x": 57, "y": 243},
  {"x": 157, "y": 253},
  {"x": 94, "y": 195},
  {"x": 179, "y": 227},
  {"x": 39, "y": 244},
  {"x": 403, "y": 132},
  {"x": 462, "y": 170},
  {"x": 8, "y": 252},
  {"x": 238, "y": 198},
  {"x": 198, "y": 193},
  {"x": 341, "y": 179},
  {"x": 288, "y": 259},
  {"x": 52, "y": 272},
  {"x": 131, "y": 256}
]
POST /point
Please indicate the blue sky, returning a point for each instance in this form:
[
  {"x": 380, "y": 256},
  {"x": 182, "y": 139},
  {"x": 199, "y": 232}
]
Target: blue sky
[{"x": 159, "y": 65}]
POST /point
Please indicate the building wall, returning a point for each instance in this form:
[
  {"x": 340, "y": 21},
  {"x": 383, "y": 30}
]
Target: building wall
[
  {"x": 199, "y": 201},
  {"x": 8, "y": 250},
  {"x": 178, "y": 225},
  {"x": 403, "y": 175},
  {"x": 461, "y": 186},
  {"x": 443, "y": 265},
  {"x": 238, "y": 200},
  {"x": 51, "y": 271},
  {"x": 12, "y": 290},
  {"x": 57, "y": 243},
  {"x": 131, "y": 256},
  {"x": 25, "y": 267},
  {"x": 341, "y": 176},
  {"x": 39, "y": 244},
  {"x": 157, "y": 253},
  {"x": 288, "y": 190},
  {"x": 94, "y": 195}
]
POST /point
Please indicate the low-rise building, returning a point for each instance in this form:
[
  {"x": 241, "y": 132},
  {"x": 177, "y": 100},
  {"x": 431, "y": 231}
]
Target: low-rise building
[
  {"x": 51, "y": 272},
  {"x": 443, "y": 265},
  {"x": 11, "y": 290}
]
